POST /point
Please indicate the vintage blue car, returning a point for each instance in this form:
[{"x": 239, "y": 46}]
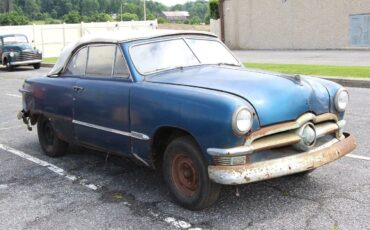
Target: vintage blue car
[
  {"x": 15, "y": 50},
  {"x": 181, "y": 102}
]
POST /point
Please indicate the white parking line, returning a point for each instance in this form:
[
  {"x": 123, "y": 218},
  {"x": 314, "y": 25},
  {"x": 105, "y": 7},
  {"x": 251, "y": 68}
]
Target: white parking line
[
  {"x": 49, "y": 166},
  {"x": 177, "y": 223},
  {"x": 358, "y": 157},
  {"x": 13, "y": 95},
  {"x": 12, "y": 127}
]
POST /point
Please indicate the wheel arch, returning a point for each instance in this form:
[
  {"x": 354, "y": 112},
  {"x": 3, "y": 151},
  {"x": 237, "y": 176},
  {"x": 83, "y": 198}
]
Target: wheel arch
[{"x": 162, "y": 138}]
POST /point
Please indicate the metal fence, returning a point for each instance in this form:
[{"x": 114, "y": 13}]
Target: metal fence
[{"x": 52, "y": 38}]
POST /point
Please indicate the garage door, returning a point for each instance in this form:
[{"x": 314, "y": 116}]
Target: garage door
[{"x": 359, "y": 30}]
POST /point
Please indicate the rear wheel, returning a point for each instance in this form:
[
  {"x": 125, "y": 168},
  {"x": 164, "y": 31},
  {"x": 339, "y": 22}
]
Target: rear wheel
[
  {"x": 186, "y": 175},
  {"x": 37, "y": 66},
  {"x": 50, "y": 143}
]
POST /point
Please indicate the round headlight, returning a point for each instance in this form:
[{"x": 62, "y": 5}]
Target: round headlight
[
  {"x": 11, "y": 54},
  {"x": 242, "y": 121},
  {"x": 341, "y": 100}
]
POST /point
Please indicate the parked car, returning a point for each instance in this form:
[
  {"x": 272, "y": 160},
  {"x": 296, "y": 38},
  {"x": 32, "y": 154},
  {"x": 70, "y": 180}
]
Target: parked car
[
  {"x": 181, "y": 102},
  {"x": 15, "y": 50}
]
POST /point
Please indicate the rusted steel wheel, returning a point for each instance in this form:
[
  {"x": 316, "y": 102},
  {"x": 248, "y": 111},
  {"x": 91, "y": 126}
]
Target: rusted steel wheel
[
  {"x": 50, "y": 143},
  {"x": 186, "y": 174}
]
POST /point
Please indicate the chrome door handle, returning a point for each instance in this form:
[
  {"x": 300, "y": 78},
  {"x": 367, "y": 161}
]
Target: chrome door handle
[{"x": 78, "y": 88}]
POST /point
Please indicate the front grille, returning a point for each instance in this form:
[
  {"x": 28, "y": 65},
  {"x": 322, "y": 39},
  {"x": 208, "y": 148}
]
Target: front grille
[
  {"x": 26, "y": 56},
  {"x": 286, "y": 134},
  {"x": 266, "y": 142}
]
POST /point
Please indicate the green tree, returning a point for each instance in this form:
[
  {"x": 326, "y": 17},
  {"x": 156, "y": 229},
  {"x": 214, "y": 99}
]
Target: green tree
[
  {"x": 214, "y": 12},
  {"x": 6, "y": 6},
  {"x": 89, "y": 7},
  {"x": 32, "y": 8}
]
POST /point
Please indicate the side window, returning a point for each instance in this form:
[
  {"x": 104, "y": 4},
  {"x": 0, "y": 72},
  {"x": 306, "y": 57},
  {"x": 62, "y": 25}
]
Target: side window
[
  {"x": 100, "y": 60},
  {"x": 120, "y": 66},
  {"x": 77, "y": 65}
]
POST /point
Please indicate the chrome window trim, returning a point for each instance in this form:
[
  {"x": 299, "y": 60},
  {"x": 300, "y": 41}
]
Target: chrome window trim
[
  {"x": 77, "y": 50},
  {"x": 132, "y": 134}
]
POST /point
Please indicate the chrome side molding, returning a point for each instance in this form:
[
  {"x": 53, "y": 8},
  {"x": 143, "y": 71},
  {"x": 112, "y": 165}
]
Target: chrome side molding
[{"x": 132, "y": 134}]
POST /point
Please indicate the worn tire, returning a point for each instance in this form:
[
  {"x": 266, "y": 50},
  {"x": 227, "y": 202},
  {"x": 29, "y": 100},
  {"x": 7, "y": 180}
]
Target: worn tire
[
  {"x": 8, "y": 66},
  {"x": 186, "y": 174},
  {"x": 50, "y": 143},
  {"x": 37, "y": 66}
]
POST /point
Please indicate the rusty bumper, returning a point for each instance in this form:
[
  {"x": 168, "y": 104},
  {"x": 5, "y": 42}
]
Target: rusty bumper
[{"x": 243, "y": 174}]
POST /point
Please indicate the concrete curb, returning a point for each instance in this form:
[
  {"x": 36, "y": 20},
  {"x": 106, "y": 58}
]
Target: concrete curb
[
  {"x": 349, "y": 82},
  {"x": 47, "y": 65}
]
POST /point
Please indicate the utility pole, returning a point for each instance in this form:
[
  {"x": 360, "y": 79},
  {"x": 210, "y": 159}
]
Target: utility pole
[
  {"x": 144, "y": 10},
  {"x": 121, "y": 11}
]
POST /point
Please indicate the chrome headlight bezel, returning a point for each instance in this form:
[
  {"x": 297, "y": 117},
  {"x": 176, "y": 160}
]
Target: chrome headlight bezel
[
  {"x": 11, "y": 54},
  {"x": 338, "y": 95},
  {"x": 239, "y": 128}
]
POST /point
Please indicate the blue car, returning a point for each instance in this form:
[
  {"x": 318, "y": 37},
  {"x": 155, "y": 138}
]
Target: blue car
[{"x": 182, "y": 103}]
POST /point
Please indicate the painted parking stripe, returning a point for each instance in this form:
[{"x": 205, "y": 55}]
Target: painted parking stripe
[
  {"x": 13, "y": 95},
  {"x": 358, "y": 157},
  {"x": 49, "y": 166}
]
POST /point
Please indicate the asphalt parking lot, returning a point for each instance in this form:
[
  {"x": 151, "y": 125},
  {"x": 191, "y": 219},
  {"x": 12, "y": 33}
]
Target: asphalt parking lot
[{"x": 92, "y": 190}]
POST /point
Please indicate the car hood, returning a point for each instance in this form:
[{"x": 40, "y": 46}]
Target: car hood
[
  {"x": 275, "y": 97},
  {"x": 19, "y": 47}
]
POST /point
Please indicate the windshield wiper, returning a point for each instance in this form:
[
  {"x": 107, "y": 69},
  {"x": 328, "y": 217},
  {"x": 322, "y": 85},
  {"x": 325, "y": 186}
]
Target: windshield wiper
[
  {"x": 168, "y": 68},
  {"x": 228, "y": 64}
]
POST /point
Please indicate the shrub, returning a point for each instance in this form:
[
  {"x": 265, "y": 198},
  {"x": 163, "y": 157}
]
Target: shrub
[
  {"x": 13, "y": 18},
  {"x": 128, "y": 17},
  {"x": 72, "y": 17},
  {"x": 52, "y": 21},
  {"x": 195, "y": 20},
  {"x": 161, "y": 20},
  {"x": 100, "y": 17}
]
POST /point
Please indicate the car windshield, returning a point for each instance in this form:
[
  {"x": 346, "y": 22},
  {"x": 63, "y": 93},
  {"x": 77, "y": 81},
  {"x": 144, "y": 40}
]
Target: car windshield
[
  {"x": 15, "y": 39},
  {"x": 170, "y": 54}
]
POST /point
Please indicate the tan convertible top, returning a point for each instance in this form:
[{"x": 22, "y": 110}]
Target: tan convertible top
[{"x": 117, "y": 37}]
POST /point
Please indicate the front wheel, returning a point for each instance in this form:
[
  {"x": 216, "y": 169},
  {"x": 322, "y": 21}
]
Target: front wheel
[
  {"x": 50, "y": 143},
  {"x": 186, "y": 174},
  {"x": 37, "y": 66},
  {"x": 9, "y": 67}
]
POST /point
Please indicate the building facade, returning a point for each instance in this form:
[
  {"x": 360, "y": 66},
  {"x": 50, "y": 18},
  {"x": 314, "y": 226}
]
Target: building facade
[
  {"x": 176, "y": 15},
  {"x": 295, "y": 24}
]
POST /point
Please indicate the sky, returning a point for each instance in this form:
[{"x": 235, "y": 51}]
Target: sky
[{"x": 172, "y": 2}]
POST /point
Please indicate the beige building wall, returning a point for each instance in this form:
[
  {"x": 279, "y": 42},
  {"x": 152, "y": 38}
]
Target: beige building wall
[{"x": 290, "y": 24}]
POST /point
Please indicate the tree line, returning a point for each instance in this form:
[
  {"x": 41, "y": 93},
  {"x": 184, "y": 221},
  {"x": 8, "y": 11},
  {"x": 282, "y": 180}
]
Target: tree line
[{"x": 20, "y": 12}]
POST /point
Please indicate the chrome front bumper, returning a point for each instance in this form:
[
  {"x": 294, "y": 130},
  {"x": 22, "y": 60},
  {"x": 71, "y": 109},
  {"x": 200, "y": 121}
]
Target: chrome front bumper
[
  {"x": 29, "y": 62},
  {"x": 263, "y": 170}
]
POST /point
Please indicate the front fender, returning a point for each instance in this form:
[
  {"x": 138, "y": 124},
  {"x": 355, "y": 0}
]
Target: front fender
[{"x": 205, "y": 114}]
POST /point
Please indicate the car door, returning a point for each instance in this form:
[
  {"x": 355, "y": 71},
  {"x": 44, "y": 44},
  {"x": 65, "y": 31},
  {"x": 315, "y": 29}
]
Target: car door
[{"x": 101, "y": 107}]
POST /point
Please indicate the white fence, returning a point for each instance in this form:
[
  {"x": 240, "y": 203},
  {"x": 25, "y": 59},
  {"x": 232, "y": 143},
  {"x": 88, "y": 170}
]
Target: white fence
[
  {"x": 215, "y": 27},
  {"x": 52, "y": 38}
]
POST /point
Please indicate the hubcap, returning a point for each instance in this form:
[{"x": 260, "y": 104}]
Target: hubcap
[{"x": 185, "y": 175}]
